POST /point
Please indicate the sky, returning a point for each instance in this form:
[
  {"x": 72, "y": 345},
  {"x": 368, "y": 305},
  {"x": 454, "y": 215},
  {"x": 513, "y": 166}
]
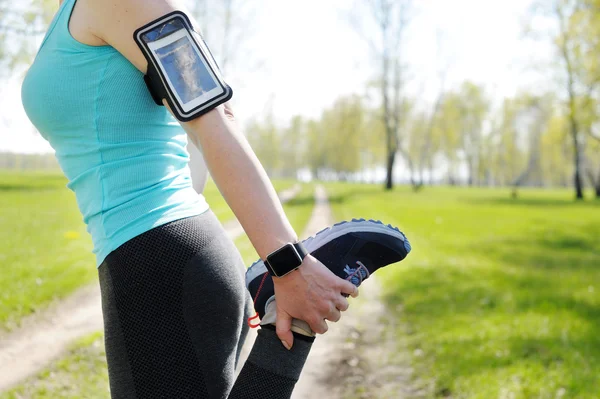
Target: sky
[{"x": 301, "y": 56}]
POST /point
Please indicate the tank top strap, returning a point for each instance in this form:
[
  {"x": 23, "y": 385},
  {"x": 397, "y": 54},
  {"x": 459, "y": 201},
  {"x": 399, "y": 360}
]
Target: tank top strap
[
  {"x": 61, "y": 33},
  {"x": 66, "y": 7}
]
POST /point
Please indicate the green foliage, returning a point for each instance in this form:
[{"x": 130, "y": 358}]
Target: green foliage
[
  {"x": 342, "y": 132},
  {"x": 499, "y": 297},
  {"x": 556, "y": 150},
  {"x": 266, "y": 143},
  {"x": 462, "y": 116},
  {"x": 347, "y": 138}
]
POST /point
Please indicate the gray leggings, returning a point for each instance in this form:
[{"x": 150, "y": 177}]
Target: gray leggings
[{"x": 175, "y": 309}]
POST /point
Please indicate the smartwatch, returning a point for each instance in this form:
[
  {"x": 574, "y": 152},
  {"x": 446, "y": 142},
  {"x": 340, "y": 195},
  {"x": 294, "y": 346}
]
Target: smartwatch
[{"x": 286, "y": 259}]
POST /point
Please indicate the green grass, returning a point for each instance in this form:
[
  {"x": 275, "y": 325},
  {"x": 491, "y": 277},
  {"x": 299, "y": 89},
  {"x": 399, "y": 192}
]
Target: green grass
[
  {"x": 499, "y": 297},
  {"x": 45, "y": 250},
  {"x": 81, "y": 373}
]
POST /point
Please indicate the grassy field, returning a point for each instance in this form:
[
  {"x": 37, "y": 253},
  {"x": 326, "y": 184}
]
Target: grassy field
[
  {"x": 499, "y": 297},
  {"x": 45, "y": 250},
  {"x": 82, "y": 372}
]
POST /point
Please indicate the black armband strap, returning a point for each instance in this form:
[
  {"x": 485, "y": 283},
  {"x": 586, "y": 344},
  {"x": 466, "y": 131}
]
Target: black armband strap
[{"x": 157, "y": 90}]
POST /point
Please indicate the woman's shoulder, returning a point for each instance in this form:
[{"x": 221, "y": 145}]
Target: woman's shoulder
[{"x": 115, "y": 21}]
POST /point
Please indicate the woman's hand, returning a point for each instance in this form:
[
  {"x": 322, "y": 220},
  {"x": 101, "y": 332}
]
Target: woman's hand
[{"x": 311, "y": 293}]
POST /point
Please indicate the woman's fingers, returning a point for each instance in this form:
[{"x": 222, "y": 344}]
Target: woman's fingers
[
  {"x": 346, "y": 287},
  {"x": 283, "y": 328},
  {"x": 335, "y": 315},
  {"x": 319, "y": 326},
  {"x": 342, "y": 304}
]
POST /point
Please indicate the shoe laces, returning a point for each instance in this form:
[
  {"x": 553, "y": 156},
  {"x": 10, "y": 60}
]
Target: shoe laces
[{"x": 359, "y": 274}]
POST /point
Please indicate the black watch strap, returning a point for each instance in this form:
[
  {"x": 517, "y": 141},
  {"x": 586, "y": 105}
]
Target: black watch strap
[
  {"x": 285, "y": 259},
  {"x": 301, "y": 250}
]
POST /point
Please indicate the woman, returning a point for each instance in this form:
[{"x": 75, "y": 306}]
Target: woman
[
  {"x": 173, "y": 295},
  {"x": 172, "y": 282}
]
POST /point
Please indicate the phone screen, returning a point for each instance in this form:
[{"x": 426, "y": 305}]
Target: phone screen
[{"x": 187, "y": 71}]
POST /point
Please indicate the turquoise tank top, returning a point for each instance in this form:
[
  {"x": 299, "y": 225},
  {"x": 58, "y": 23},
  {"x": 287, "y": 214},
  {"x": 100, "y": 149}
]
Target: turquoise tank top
[{"x": 124, "y": 156}]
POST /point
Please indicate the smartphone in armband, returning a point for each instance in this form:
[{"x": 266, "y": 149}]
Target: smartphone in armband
[{"x": 181, "y": 68}]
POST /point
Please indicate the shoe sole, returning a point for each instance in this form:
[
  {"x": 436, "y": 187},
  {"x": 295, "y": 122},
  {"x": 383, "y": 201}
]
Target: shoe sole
[{"x": 329, "y": 234}]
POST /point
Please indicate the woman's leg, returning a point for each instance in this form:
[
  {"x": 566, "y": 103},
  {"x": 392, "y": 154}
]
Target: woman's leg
[
  {"x": 173, "y": 303},
  {"x": 271, "y": 371},
  {"x": 175, "y": 308}
]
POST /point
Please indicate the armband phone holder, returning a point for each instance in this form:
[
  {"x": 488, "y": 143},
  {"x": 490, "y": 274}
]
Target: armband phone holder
[{"x": 181, "y": 68}]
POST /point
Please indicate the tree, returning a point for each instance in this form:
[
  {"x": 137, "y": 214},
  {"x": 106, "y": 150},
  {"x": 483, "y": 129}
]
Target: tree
[
  {"x": 391, "y": 19},
  {"x": 586, "y": 27},
  {"x": 316, "y": 151},
  {"x": 508, "y": 155},
  {"x": 575, "y": 40},
  {"x": 534, "y": 114},
  {"x": 565, "y": 46},
  {"x": 293, "y": 146},
  {"x": 265, "y": 141},
  {"x": 555, "y": 149},
  {"x": 462, "y": 114},
  {"x": 448, "y": 122},
  {"x": 339, "y": 142},
  {"x": 20, "y": 24},
  {"x": 416, "y": 143}
]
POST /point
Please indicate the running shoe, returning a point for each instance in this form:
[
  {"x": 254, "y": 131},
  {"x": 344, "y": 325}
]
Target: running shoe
[{"x": 352, "y": 250}]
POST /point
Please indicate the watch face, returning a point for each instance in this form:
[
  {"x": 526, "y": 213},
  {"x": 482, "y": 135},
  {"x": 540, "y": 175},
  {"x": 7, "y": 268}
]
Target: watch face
[{"x": 284, "y": 260}]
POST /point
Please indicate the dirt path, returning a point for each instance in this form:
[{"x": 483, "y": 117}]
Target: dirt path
[
  {"x": 325, "y": 351},
  {"x": 43, "y": 337},
  {"x": 358, "y": 356}
]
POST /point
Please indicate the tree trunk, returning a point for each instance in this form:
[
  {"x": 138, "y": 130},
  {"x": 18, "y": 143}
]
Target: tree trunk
[
  {"x": 572, "y": 113},
  {"x": 391, "y": 158},
  {"x": 597, "y": 186},
  {"x": 578, "y": 182},
  {"x": 470, "y": 171},
  {"x": 391, "y": 154},
  {"x": 576, "y": 155},
  {"x": 431, "y": 182}
]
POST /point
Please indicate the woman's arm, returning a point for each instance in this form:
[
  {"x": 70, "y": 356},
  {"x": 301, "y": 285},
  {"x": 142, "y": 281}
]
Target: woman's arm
[
  {"x": 312, "y": 293},
  {"x": 241, "y": 179}
]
